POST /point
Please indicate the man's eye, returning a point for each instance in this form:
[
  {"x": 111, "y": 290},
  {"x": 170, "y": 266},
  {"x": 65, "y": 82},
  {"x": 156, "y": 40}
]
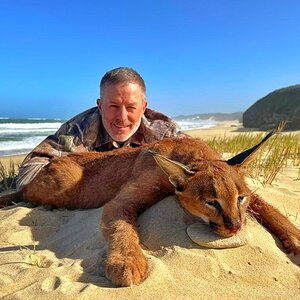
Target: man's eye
[
  {"x": 215, "y": 204},
  {"x": 131, "y": 108}
]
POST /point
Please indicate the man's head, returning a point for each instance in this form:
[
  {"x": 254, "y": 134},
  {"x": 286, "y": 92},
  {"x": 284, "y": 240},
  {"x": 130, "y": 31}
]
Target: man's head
[{"x": 123, "y": 102}]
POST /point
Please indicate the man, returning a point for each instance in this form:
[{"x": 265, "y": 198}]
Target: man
[{"x": 120, "y": 119}]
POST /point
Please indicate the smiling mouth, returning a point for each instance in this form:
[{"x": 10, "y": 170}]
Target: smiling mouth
[{"x": 121, "y": 126}]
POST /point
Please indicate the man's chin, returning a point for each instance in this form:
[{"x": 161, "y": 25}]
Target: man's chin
[{"x": 121, "y": 137}]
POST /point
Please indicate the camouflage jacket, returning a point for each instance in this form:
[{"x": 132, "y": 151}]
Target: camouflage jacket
[{"x": 85, "y": 132}]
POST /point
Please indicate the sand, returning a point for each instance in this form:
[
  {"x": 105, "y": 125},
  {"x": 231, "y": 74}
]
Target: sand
[
  {"x": 15, "y": 160},
  {"x": 68, "y": 262}
]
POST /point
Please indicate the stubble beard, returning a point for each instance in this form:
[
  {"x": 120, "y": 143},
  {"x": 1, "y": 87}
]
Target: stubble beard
[{"x": 121, "y": 137}]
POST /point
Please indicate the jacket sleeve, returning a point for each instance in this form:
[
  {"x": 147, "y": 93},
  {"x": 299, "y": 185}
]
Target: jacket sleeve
[
  {"x": 173, "y": 131},
  {"x": 58, "y": 144}
]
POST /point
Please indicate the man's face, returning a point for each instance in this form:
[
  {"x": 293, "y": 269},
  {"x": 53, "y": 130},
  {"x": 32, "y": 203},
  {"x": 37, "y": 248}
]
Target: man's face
[{"x": 122, "y": 107}]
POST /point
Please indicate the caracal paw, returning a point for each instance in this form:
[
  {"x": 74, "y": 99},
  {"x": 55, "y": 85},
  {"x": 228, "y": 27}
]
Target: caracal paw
[
  {"x": 292, "y": 244},
  {"x": 126, "y": 269}
]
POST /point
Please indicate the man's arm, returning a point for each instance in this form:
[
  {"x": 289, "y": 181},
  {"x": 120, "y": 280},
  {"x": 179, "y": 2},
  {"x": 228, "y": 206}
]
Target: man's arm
[
  {"x": 76, "y": 135},
  {"x": 40, "y": 156},
  {"x": 174, "y": 131}
]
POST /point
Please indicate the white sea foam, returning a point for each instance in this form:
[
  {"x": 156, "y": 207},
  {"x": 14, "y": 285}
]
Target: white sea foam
[
  {"x": 20, "y": 131},
  {"x": 4, "y": 127},
  {"x": 21, "y": 138},
  {"x": 30, "y": 143},
  {"x": 20, "y": 147},
  {"x": 197, "y": 124}
]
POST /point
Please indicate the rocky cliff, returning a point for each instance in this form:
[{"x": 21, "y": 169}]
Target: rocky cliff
[{"x": 269, "y": 111}]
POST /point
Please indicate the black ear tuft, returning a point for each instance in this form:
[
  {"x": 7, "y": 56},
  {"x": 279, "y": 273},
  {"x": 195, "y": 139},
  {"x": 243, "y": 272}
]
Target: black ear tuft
[{"x": 247, "y": 155}]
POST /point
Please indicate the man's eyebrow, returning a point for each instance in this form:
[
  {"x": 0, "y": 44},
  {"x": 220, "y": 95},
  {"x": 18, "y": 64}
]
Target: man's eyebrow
[
  {"x": 118, "y": 102},
  {"x": 132, "y": 103}
]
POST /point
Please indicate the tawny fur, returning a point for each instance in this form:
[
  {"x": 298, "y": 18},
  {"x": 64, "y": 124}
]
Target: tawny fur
[{"x": 128, "y": 180}]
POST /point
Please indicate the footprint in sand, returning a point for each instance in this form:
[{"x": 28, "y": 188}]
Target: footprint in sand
[{"x": 51, "y": 283}]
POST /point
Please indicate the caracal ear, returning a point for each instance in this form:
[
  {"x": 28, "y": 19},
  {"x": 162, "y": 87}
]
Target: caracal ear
[
  {"x": 242, "y": 159},
  {"x": 177, "y": 172}
]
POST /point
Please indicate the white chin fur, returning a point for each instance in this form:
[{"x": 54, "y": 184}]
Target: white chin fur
[{"x": 204, "y": 218}]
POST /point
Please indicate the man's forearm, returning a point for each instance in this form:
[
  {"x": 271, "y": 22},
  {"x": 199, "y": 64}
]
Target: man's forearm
[{"x": 29, "y": 170}]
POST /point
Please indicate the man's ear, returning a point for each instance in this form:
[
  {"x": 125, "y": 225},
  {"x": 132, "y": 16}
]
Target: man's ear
[
  {"x": 145, "y": 103},
  {"x": 99, "y": 103},
  {"x": 177, "y": 172},
  {"x": 242, "y": 159}
]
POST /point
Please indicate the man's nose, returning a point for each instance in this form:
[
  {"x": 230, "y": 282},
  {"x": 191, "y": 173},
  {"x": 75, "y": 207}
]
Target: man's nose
[{"x": 122, "y": 113}]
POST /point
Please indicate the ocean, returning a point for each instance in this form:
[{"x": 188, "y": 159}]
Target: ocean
[{"x": 20, "y": 136}]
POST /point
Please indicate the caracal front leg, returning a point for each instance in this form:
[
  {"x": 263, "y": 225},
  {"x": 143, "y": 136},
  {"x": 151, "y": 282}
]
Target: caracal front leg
[
  {"x": 279, "y": 224},
  {"x": 126, "y": 264}
]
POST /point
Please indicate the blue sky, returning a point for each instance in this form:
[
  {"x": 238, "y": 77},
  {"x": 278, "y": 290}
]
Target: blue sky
[{"x": 195, "y": 56}]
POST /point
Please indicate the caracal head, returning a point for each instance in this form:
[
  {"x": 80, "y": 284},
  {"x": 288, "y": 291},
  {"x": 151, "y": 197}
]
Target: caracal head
[{"x": 213, "y": 190}]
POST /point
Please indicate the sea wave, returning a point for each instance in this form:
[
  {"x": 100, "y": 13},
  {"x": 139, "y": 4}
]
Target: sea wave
[
  {"x": 19, "y": 147},
  {"x": 28, "y": 126},
  {"x": 197, "y": 124},
  {"x": 20, "y": 136}
]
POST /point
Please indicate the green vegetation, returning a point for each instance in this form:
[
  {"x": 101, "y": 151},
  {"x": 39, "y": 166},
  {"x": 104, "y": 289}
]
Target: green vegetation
[
  {"x": 8, "y": 177},
  {"x": 282, "y": 104},
  {"x": 286, "y": 98},
  {"x": 281, "y": 151}
]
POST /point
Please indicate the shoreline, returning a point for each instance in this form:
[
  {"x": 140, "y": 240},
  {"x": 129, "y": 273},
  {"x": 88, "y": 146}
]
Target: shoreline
[{"x": 221, "y": 129}]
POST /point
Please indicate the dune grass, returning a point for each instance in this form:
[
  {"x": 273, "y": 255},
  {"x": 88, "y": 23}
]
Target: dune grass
[
  {"x": 280, "y": 151},
  {"x": 8, "y": 176}
]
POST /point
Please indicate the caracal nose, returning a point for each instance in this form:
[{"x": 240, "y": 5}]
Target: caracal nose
[{"x": 233, "y": 225}]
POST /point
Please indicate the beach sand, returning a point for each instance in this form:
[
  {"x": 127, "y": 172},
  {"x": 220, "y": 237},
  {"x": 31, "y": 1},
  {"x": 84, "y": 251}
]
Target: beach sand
[
  {"x": 7, "y": 161},
  {"x": 71, "y": 252}
]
